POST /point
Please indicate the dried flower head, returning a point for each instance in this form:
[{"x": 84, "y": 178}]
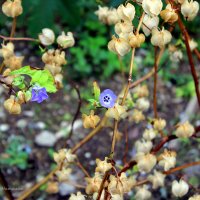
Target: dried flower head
[
  {"x": 149, "y": 134},
  {"x": 90, "y": 121},
  {"x": 12, "y": 8},
  {"x": 78, "y": 196},
  {"x": 159, "y": 124},
  {"x": 184, "y": 130},
  {"x": 127, "y": 12},
  {"x": 143, "y": 146},
  {"x": 12, "y": 106},
  {"x": 47, "y": 37},
  {"x": 142, "y": 193},
  {"x": 167, "y": 159},
  {"x": 103, "y": 166},
  {"x": 152, "y": 7},
  {"x": 66, "y": 41},
  {"x": 137, "y": 116},
  {"x": 116, "y": 112},
  {"x": 157, "y": 179},
  {"x": 63, "y": 175},
  {"x": 169, "y": 14},
  {"x": 180, "y": 188},
  {"x": 7, "y": 50}
]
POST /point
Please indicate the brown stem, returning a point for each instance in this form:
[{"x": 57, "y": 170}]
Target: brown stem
[
  {"x": 18, "y": 39},
  {"x": 83, "y": 169},
  {"x": 13, "y": 27},
  {"x": 5, "y": 187},
  {"x": 105, "y": 178},
  {"x": 181, "y": 167},
  {"x": 189, "y": 53},
  {"x": 155, "y": 85}
]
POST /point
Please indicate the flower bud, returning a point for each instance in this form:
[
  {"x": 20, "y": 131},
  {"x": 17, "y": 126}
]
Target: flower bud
[
  {"x": 142, "y": 104},
  {"x": 136, "y": 40},
  {"x": 160, "y": 38},
  {"x": 103, "y": 166},
  {"x": 119, "y": 46},
  {"x": 14, "y": 62},
  {"x": 47, "y": 37},
  {"x": 66, "y": 41},
  {"x": 152, "y": 7},
  {"x": 90, "y": 121},
  {"x": 195, "y": 197},
  {"x": 116, "y": 112},
  {"x": 157, "y": 179},
  {"x": 149, "y": 134},
  {"x": 137, "y": 116},
  {"x": 127, "y": 12},
  {"x": 12, "y": 8},
  {"x": 189, "y": 9},
  {"x": 180, "y": 188},
  {"x": 193, "y": 45},
  {"x": 112, "y": 17},
  {"x": 142, "y": 193},
  {"x": 149, "y": 22},
  {"x": 79, "y": 196},
  {"x": 143, "y": 146},
  {"x": 184, "y": 130},
  {"x": 167, "y": 159},
  {"x": 169, "y": 14},
  {"x": 145, "y": 162},
  {"x": 7, "y": 50},
  {"x": 12, "y": 106},
  {"x": 159, "y": 124}
]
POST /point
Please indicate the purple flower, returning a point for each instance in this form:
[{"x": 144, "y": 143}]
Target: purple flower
[
  {"x": 39, "y": 94},
  {"x": 107, "y": 98}
]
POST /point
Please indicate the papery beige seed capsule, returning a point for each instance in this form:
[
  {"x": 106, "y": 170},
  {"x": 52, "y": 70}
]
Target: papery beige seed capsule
[
  {"x": 142, "y": 104},
  {"x": 160, "y": 38},
  {"x": 112, "y": 17},
  {"x": 8, "y": 79},
  {"x": 102, "y": 14},
  {"x": 169, "y": 14},
  {"x": 180, "y": 188},
  {"x": 12, "y": 106},
  {"x": 143, "y": 146},
  {"x": 137, "y": 116},
  {"x": 189, "y": 9},
  {"x": 127, "y": 12},
  {"x": 141, "y": 91},
  {"x": 159, "y": 124},
  {"x": 12, "y": 8},
  {"x": 14, "y": 62},
  {"x": 149, "y": 22},
  {"x": 47, "y": 37},
  {"x": 167, "y": 159},
  {"x": 136, "y": 40},
  {"x": 7, "y": 50},
  {"x": 54, "y": 69},
  {"x": 145, "y": 162},
  {"x": 64, "y": 174},
  {"x": 195, "y": 197},
  {"x": 116, "y": 112},
  {"x": 119, "y": 46},
  {"x": 90, "y": 121},
  {"x": 103, "y": 166},
  {"x": 142, "y": 193},
  {"x": 58, "y": 79},
  {"x": 157, "y": 179},
  {"x": 184, "y": 130},
  {"x": 78, "y": 196},
  {"x": 123, "y": 27},
  {"x": 66, "y": 41},
  {"x": 152, "y": 7},
  {"x": 193, "y": 45}
]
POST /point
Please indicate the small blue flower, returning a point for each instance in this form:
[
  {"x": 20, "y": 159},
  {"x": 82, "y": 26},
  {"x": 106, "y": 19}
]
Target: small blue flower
[
  {"x": 39, "y": 94},
  {"x": 107, "y": 98}
]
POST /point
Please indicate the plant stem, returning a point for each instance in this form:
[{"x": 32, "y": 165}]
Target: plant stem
[
  {"x": 5, "y": 186},
  {"x": 18, "y": 39},
  {"x": 155, "y": 85},
  {"x": 189, "y": 53},
  {"x": 14, "y": 22}
]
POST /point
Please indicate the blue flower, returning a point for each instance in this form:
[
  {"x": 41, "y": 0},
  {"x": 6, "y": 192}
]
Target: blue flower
[
  {"x": 39, "y": 94},
  {"x": 107, "y": 98}
]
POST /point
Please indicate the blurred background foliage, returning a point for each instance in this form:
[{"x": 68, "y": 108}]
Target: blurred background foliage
[{"x": 90, "y": 57}]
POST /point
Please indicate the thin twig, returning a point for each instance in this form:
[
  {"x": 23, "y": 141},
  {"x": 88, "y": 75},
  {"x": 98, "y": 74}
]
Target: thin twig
[
  {"x": 5, "y": 187},
  {"x": 155, "y": 86},
  {"x": 18, "y": 39}
]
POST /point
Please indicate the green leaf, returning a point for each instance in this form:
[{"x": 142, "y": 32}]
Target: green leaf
[
  {"x": 96, "y": 90},
  {"x": 40, "y": 77}
]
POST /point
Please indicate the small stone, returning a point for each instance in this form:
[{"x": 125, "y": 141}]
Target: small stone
[
  {"x": 29, "y": 113},
  {"x": 88, "y": 155},
  {"x": 4, "y": 127},
  {"x": 78, "y": 123},
  {"x": 22, "y": 123},
  {"x": 40, "y": 125},
  {"x": 46, "y": 139},
  {"x": 65, "y": 189}
]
